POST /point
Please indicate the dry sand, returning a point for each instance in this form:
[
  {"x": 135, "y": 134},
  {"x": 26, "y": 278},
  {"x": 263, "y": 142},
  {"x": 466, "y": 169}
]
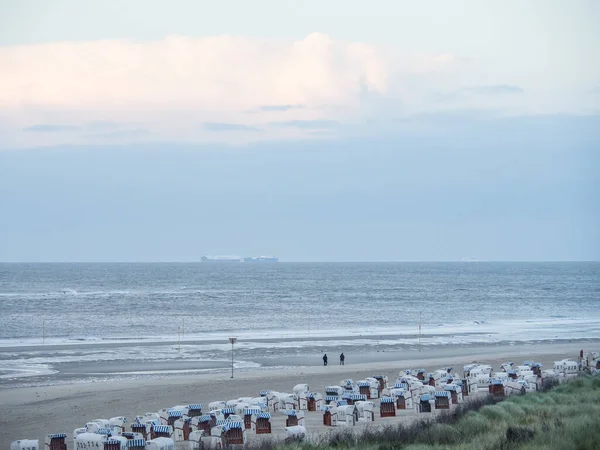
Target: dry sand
[{"x": 33, "y": 412}]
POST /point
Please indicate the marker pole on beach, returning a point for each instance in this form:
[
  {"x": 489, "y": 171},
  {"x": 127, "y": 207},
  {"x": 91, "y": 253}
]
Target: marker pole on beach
[
  {"x": 420, "y": 331},
  {"x": 232, "y": 340}
]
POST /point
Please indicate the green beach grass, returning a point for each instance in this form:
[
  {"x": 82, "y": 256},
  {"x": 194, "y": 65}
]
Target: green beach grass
[{"x": 562, "y": 418}]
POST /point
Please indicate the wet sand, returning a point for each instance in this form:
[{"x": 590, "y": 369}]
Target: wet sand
[{"x": 33, "y": 412}]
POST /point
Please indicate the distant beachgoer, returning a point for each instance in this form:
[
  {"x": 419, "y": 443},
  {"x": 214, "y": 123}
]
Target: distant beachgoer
[
  {"x": 342, "y": 358},
  {"x": 325, "y": 359}
]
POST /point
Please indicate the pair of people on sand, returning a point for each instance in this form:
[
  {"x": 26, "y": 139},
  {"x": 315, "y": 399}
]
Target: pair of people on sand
[{"x": 342, "y": 358}]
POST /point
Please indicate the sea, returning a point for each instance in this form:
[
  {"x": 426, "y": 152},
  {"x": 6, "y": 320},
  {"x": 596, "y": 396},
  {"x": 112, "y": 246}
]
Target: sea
[{"x": 79, "y": 322}]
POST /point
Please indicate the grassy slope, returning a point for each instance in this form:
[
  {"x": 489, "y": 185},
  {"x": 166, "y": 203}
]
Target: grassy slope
[{"x": 567, "y": 417}]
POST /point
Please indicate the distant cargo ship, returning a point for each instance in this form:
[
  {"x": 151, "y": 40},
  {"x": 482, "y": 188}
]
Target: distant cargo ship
[
  {"x": 221, "y": 259},
  {"x": 252, "y": 259}
]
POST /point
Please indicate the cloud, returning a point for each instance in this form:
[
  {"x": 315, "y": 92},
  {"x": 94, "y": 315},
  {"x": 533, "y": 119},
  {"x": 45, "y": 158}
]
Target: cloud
[
  {"x": 215, "y": 126},
  {"x": 268, "y": 108},
  {"x": 321, "y": 133},
  {"x": 103, "y": 125},
  {"x": 67, "y": 92},
  {"x": 496, "y": 89},
  {"x": 122, "y": 134},
  {"x": 219, "y": 72},
  {"x": 95, "y": 126},
  {"x": 308, "y": 124},
  {"x": 49, "y": 128}
]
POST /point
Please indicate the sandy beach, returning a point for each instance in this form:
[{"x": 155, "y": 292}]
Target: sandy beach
[{"x": 33, "y": 412}]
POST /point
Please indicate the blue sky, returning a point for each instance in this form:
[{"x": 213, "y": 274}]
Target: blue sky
[{"x": 141, "y": 131}]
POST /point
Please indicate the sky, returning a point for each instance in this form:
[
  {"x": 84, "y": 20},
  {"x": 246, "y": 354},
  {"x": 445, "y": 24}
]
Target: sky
[{"x": 314, "y": 131}]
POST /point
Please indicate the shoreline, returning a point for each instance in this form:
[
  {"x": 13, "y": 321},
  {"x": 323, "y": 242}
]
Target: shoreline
[
  {"x": 146, "y": 367},
  {"x": 33, "y": 412},
  {"x": 74, "y": 344}
]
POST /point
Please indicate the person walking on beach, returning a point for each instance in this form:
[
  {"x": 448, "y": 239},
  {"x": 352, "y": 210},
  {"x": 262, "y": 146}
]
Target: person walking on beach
[
  {"x": 342, "y": 358},
  {"x": 325, "y": 359}
]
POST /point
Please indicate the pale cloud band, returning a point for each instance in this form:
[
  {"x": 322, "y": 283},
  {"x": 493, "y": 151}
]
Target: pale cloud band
[
  {"x": 188, "y": 88},
  {"x": 213, "y": 73}
]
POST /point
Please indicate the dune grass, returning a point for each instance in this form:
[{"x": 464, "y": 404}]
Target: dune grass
[{"x": 563, "y": 418}]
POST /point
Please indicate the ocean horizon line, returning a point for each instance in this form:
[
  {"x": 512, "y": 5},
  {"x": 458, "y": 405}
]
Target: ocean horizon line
[{"x": 291, "y": 261}]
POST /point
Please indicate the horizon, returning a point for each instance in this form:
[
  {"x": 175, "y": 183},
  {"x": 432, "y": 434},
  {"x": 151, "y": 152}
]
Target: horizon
[{"x": 309, "y": 262}]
